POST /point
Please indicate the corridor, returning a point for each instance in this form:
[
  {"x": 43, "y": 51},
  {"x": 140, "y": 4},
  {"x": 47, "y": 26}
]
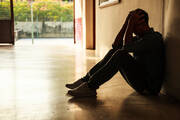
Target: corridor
[{"x": 32, "y": 80}]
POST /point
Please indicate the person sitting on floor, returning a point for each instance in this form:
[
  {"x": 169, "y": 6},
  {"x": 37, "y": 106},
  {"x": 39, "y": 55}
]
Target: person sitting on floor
[{"x": 143, "y": 70}]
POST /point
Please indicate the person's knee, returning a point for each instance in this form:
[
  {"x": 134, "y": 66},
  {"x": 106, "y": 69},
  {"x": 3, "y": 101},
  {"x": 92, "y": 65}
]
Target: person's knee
[
  {"x": 121, "y": 55},
  {"x": 112, "y": 51}
]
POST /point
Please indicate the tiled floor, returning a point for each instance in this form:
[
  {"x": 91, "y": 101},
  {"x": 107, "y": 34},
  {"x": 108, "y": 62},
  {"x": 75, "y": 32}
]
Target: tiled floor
[{"x": 32, "y": 79}]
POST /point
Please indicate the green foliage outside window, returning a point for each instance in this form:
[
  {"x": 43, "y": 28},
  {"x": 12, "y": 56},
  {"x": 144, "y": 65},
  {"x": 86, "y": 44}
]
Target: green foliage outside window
[
  {"x": 4, "y": 10},
  {"x": 43, "y": 10}
]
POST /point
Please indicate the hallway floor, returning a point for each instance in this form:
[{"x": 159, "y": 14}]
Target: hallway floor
[{"x": 32, "y": 80}]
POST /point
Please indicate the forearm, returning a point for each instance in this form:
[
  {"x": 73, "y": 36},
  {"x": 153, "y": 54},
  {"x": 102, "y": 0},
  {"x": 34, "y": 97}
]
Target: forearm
[
  {"x": 129, "y": 33},
  {"x": 119, "y": 38},
  {"x": 121, "y": 33}
]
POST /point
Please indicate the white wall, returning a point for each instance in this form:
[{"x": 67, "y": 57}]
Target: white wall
[{"x": 110, "y": 19}]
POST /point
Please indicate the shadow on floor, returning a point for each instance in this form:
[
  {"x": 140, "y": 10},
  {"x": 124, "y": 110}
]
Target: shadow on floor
[
  {"x": 136, "y": 107},
  {"x": 133, "y": 107}
]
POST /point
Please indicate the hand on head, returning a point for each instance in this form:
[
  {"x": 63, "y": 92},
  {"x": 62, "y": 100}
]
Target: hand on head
[{"x": 136, "y": 17}]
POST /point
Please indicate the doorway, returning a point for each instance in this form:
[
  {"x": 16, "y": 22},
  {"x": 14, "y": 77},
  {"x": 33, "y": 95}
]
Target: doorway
[
  {"x": 43, "y": 20},
  {"x": 85, "y": 23},
  {"x": 69, "y": 20}
]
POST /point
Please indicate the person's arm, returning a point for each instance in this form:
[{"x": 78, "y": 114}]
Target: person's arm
[
  {"x": 129, "y": 32},
  {"x": 145, "y": 44},
  {"x": 118, "y": 42},
  {"x": 135, "y": 18}
]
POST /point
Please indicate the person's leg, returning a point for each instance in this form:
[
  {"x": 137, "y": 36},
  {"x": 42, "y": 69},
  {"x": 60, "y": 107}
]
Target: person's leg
[
  {"x": 91, "y": 71},
  {"x": 135, "y": 75},
  {"x": 100, "y": 64},
  {"x": 118, "y": 60},
  {"x": 129, "y": 68}
]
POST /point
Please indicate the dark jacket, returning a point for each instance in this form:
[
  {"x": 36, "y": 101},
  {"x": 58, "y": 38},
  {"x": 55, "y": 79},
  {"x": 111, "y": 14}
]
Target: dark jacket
[{"x": 149, "y": 51}]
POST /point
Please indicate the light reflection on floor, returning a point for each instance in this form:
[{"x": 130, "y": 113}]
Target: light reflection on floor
[{"x": 32, "y": 79}]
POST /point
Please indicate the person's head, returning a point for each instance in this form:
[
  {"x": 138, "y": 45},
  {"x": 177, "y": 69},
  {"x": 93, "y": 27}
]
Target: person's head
[{"x": 139, "y": 28}]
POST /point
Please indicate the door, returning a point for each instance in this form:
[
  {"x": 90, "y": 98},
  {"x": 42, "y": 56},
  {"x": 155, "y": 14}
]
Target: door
[{"x": 6, "y": 22}]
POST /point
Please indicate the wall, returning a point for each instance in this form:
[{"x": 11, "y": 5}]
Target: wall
[
  {"x": 110, "y": 19},
  {"x": 89, "y": 23},
  {"x": 172, "y": 40}
]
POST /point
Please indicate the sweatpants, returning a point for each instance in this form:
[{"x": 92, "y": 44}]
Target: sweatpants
[{"x": 114, "y": 61}]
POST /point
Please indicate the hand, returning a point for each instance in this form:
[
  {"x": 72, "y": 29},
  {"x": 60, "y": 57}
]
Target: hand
[
  {"x": 136, "y": 18},
  {"x": 118, "y": 42}
]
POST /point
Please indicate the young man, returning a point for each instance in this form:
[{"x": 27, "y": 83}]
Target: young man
[{"x": 143, "y": 71}]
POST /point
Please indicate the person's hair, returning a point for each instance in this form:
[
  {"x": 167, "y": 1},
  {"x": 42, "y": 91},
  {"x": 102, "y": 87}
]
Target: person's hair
[{"x": 146, "y": 17}]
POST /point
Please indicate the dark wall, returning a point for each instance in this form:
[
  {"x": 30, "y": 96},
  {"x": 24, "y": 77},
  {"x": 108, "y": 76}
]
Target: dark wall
[{"x": 172, "y": 41}]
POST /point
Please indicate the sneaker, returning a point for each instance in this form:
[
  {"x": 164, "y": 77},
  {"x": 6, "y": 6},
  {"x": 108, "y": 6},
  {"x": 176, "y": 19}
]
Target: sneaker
[
  {"x": 75, "y": 84},
  {"x": 82, "y": 91}
]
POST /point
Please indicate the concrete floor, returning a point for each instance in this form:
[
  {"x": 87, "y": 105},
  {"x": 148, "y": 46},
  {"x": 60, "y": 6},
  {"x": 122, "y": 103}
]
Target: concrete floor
[{"x": 32, "y": 79}]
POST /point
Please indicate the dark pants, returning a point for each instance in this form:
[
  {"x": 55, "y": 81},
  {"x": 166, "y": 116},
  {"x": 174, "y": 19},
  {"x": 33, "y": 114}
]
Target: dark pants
[{"x": 114, "y": 61}]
